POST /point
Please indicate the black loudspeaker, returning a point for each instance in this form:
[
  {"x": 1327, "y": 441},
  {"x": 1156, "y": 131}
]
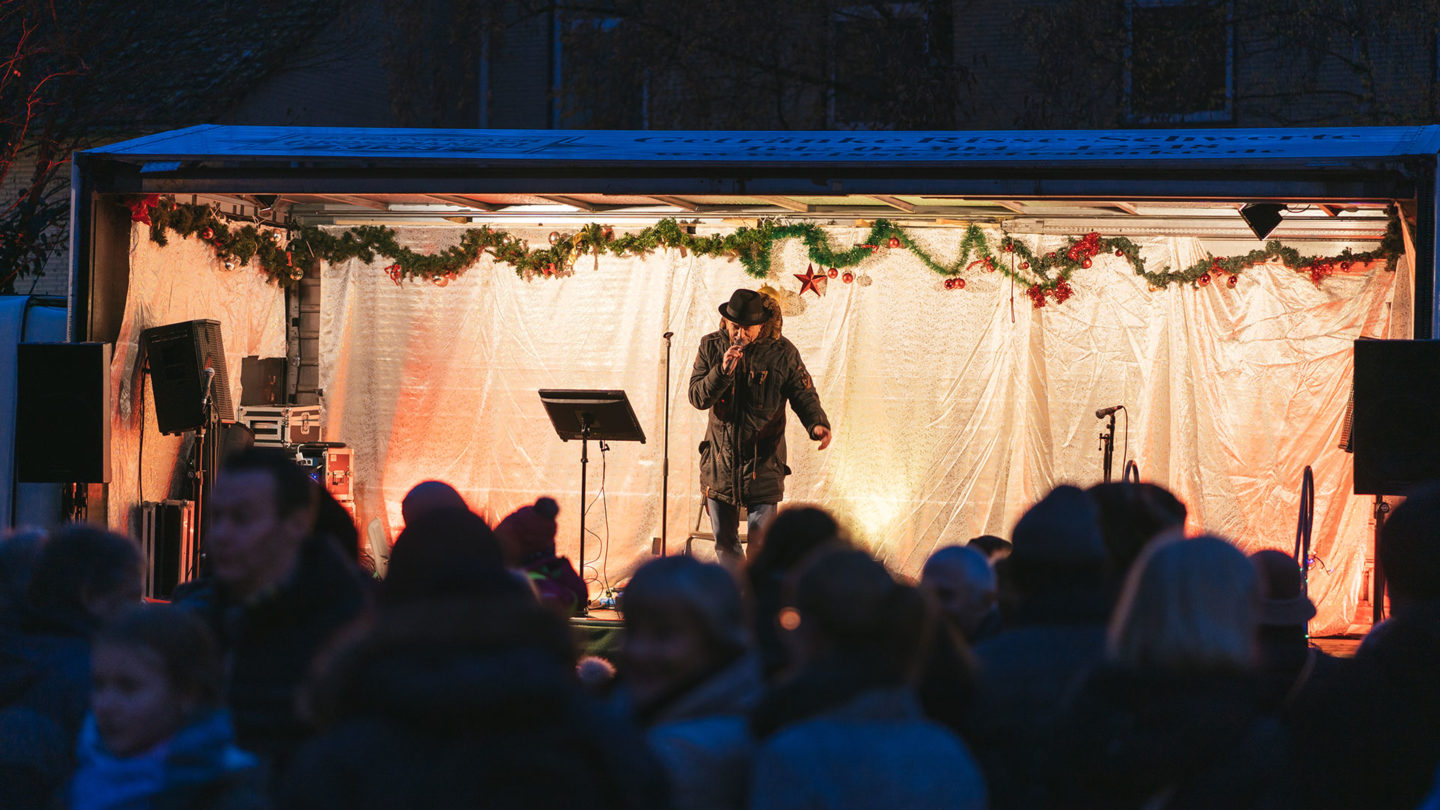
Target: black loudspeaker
[
  {"x": 262, "y": 381},
  {"x": 179, "y": 354},
  {"x": 1395, "y": 434},
  {"x": 62, "y": 412}
]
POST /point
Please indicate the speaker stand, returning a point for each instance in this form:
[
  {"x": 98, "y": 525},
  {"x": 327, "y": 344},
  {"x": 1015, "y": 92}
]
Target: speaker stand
[{"x": 1377, "y": 574}]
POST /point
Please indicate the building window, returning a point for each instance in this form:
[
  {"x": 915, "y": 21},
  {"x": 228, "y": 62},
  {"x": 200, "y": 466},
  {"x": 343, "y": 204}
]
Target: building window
[
  {"x": 1180, "y": 61},
  {"x": 875, "y": 47}
]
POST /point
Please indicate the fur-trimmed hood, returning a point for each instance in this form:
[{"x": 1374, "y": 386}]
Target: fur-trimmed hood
[{"x": 774, "y": 326}]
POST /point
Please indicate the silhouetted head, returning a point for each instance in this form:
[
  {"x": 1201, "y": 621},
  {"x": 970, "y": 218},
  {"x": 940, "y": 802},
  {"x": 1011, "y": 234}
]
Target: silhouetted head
[
  {"x": 444, "y": 552},
  {"x": 428, "y": 496},
  {"x": 1410, "y": 549}
]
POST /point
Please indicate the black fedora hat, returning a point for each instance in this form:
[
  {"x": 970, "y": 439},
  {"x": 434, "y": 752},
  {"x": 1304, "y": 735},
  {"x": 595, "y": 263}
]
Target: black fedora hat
[{"x": 745, "y": 308}]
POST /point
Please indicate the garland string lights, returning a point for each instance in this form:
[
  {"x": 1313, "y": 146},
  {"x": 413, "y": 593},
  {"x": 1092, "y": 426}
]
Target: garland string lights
[{"x": 1043, "y": 276}]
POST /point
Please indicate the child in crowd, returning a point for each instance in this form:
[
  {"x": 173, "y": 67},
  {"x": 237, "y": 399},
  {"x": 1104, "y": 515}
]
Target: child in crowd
[{"x": 156, "y": 736}]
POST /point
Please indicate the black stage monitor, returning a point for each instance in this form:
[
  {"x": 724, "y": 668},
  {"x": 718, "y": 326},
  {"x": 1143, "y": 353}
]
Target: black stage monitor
[
  {"x": 1394, "y": 431},
  {"x": 606, "y": 414}
]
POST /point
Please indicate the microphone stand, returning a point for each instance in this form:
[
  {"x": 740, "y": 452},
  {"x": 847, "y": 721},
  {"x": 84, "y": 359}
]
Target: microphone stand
[
  {"x": 665, "y": 464},
  {"x": 1107, "y": 446},
  {"x": 200, "y": 470}
]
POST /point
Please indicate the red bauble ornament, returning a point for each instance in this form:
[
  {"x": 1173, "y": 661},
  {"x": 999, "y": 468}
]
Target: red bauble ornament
[
  {"x": 1009, "y": 248},
  {"x": 809, "y": 280},
  {"x": 1085, "y": 263},
  {"x": 894, "y": 241},
  {"x": 1233, "y": 280},
  {"x": 847, "y": 277},
  {"x": 832, "y": 273},
  {"x": 959, "y": 283},
  {"x": 1119, "y": 252},
  {"x": 1204, "y": 279},
  {"x": 949, "y": 283},
  {"x": 207, "y": 234},
  {"x": 1024, "y": 265}
]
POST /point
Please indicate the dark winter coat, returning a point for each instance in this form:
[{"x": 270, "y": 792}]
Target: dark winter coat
[
  {"x": 702, "y": 737},
  {"x": 1153, "y": 738},
  {"x": 1023, "y": 674},
  {"x": 447, "y": 717},
  {"x": 271, "y": 641},
  {"x": 875, "y": 750},
  {"x": 1370, "y": 736},
  {"x": 742, "y": 459},
  {"x": 44, "y": 693}
]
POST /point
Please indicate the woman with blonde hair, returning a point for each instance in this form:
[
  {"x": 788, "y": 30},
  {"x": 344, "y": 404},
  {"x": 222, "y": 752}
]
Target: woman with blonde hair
[{"x": 1175, "y": 717}]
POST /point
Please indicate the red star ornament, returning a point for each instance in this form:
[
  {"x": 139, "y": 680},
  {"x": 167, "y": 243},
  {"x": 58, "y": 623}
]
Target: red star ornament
[{"x": 809, "y": 280}]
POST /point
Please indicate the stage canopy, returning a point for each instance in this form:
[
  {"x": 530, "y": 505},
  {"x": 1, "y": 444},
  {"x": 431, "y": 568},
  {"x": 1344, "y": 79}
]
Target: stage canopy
[{"x": 1099, "y": 269}]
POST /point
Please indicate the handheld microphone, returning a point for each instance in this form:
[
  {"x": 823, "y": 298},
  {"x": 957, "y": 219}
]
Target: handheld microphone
[{"x": 1104, "y": 412}]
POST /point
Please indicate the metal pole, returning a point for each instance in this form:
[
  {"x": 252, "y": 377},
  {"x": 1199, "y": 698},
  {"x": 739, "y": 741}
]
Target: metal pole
[{"x": 665, "y": 464}]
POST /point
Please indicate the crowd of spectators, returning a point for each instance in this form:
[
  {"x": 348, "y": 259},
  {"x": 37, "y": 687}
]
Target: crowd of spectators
[{"x": 1099, "y": 658}]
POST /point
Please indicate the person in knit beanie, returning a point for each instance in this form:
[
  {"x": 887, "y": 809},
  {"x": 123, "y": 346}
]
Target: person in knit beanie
[
  {"x": 527, "y": 538},
  {"x": 529, "y": 532}
]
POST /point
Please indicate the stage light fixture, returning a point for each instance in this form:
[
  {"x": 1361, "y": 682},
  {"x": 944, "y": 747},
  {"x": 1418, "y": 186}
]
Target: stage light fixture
[{"x": 1262, "y": 218}]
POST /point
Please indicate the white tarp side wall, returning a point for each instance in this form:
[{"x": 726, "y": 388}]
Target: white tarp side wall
[
  {"x": 953, "y": 409},
  {"x": 181, "y": 281}
]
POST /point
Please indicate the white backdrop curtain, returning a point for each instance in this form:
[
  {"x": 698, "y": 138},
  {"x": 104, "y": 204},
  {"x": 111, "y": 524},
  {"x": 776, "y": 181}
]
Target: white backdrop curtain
[
  {"x": 181, "y": 281},
  {"x": 953, "y": 409}
]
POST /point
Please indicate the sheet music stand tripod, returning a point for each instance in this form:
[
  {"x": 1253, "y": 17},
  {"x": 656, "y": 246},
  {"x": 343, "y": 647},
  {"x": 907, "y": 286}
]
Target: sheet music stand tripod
[{"x": 605, "y": 416}]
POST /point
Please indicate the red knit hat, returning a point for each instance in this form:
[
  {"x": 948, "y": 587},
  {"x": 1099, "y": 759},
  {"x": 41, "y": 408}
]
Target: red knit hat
[{"x": 529, "y": 532}]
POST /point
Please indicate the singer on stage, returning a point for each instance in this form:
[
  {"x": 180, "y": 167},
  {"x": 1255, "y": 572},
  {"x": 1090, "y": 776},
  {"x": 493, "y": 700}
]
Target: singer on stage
[{"x": 744, "y": 374}]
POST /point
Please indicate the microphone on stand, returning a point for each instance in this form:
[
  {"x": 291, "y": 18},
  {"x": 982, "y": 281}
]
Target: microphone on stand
[
  {"x": 1104, "y": 412},
  {"x": 668, "y": 335}
]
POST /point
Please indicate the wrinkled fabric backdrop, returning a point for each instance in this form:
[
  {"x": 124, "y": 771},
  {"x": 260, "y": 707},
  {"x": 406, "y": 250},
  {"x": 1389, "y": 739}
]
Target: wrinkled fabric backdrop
[
  {"x": 178, "y": 282},
  {"x": 953, "y": 410}
]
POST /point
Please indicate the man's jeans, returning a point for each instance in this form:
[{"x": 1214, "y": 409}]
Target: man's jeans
[{"x": 725, "y": 525}]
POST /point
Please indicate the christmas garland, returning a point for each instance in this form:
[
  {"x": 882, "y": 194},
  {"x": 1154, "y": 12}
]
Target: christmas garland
[{"x": 1043, "y": 276}]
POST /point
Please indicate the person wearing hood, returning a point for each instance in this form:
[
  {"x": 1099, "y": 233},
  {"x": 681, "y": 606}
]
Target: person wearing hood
[{"x": 745, "y": 373}]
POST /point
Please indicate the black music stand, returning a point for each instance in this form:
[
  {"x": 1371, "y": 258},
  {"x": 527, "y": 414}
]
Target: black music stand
[{"x": 605, "y": 416}]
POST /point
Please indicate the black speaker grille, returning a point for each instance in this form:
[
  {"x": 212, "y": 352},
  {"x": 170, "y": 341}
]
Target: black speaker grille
[{"x": 178, "y": 355}]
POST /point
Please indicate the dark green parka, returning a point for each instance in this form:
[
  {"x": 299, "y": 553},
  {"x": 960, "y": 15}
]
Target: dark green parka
[{"x": 742, "y": 459}]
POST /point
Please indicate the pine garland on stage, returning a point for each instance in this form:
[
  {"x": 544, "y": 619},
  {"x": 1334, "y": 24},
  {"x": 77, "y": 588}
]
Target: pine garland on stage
[{"x": 284, "y": 258}]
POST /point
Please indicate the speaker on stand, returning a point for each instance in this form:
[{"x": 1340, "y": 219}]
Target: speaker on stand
[
  {"x": 191, "y": 389},
  {"x": 1393, "y": 434}
]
